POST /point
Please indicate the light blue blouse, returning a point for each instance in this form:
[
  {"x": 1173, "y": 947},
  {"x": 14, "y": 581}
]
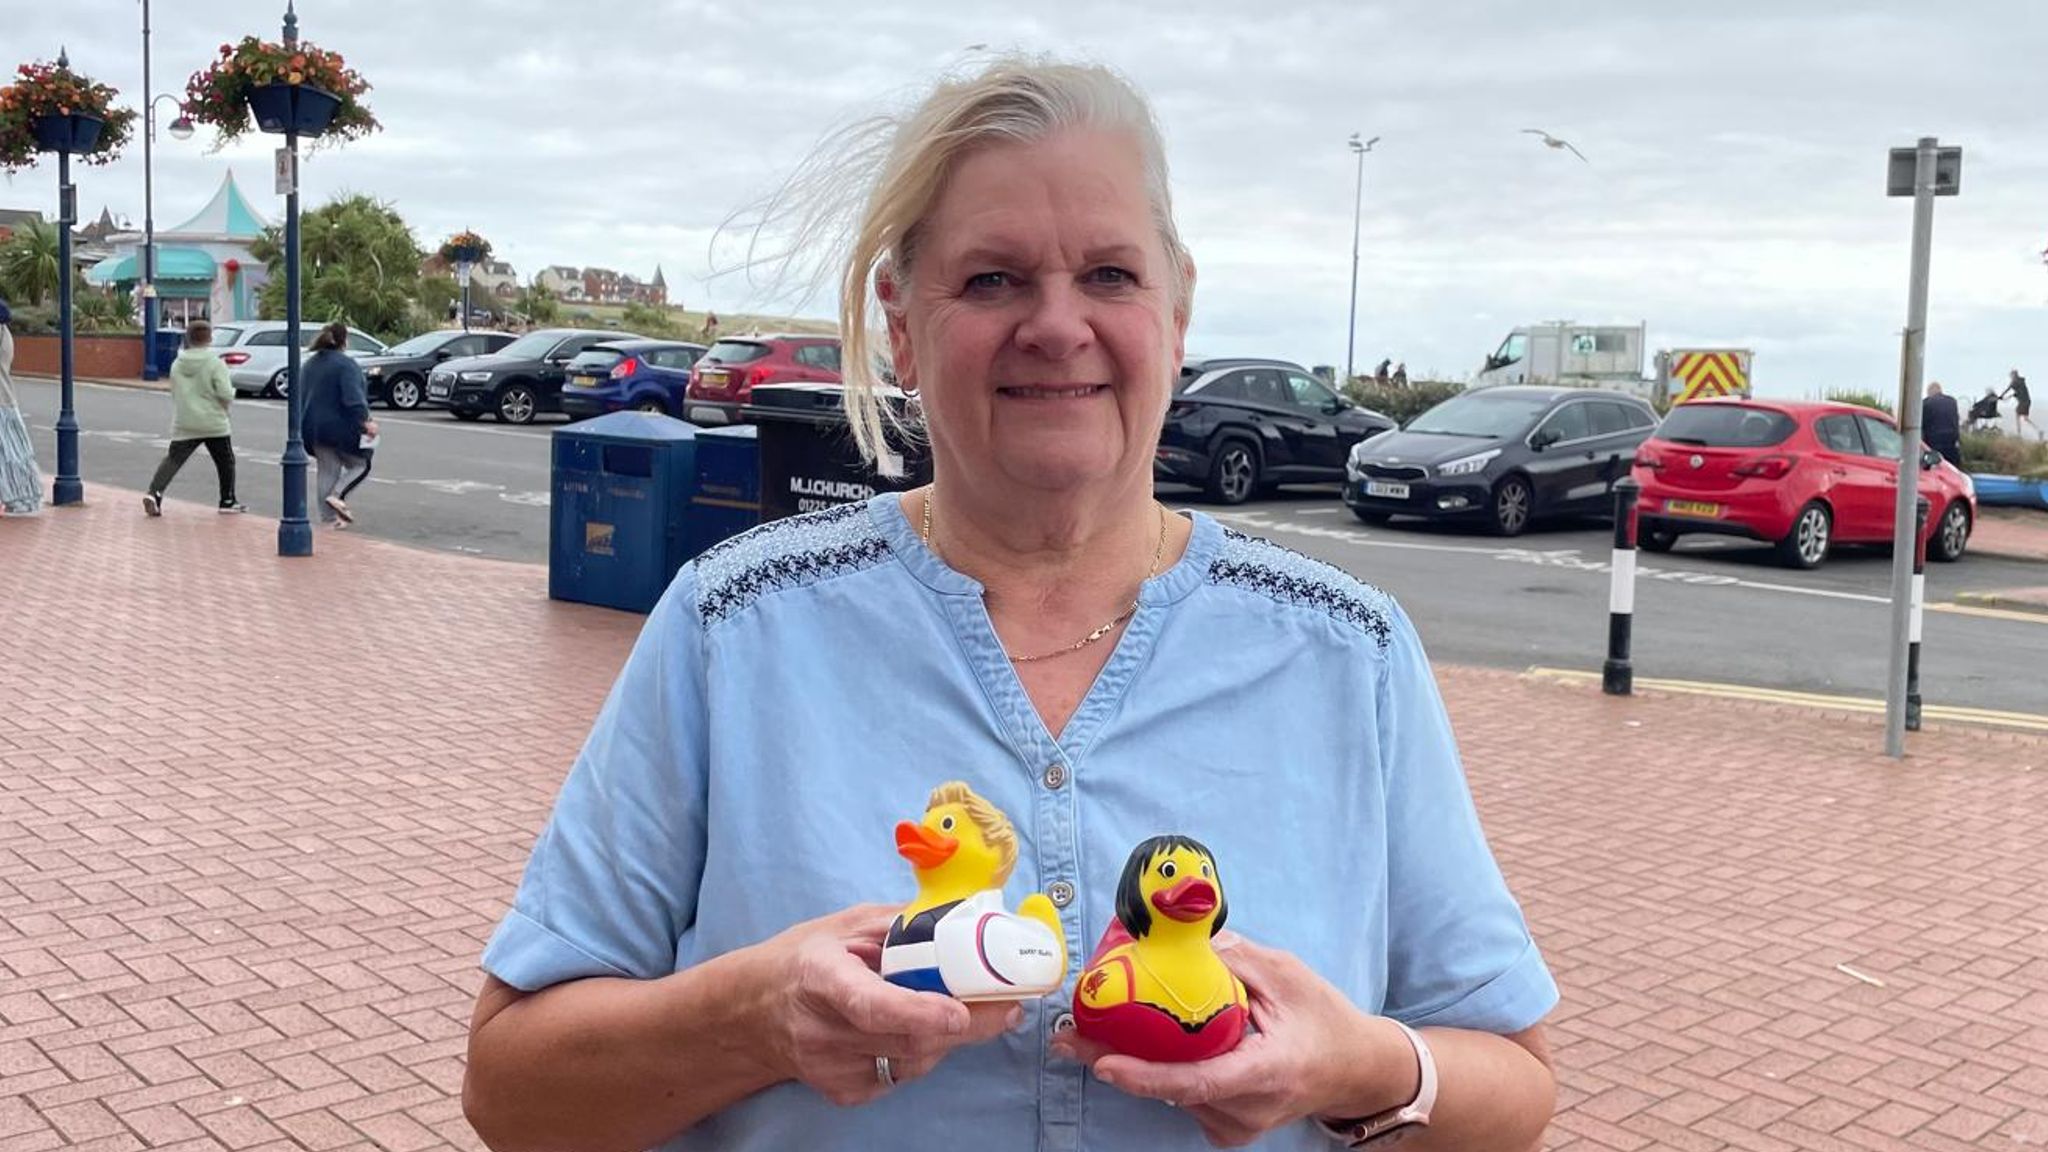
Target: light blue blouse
[{"x": 802, "y": 687}]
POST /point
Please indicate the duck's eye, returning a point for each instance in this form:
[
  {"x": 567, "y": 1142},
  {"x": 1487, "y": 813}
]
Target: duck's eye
[
  {"x": 946, "y": 825},
  {"x": 1205, "y": 869},
  {"x": 1169, "y": 870}
]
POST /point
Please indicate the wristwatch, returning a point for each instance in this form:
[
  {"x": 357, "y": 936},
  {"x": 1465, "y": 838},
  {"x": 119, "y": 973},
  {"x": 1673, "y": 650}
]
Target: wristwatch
[{"x": 1395, "y": 1124}]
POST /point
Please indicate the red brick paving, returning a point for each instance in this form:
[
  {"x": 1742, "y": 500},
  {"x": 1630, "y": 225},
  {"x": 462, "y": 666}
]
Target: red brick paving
[{"x": 258, "y": 816}]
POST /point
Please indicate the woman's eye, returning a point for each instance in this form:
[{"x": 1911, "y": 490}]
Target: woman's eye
[
  {"x": 987, "y": 281},
  {"x": 1168, "y": 870},
  {"x": 1113, "y": 277}
]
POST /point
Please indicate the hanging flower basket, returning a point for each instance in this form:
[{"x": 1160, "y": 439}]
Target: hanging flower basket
[
  {"x": 466, "y": 248},
  {"x": 50, "y": 108},
  {"x": 271, "y": 88}
]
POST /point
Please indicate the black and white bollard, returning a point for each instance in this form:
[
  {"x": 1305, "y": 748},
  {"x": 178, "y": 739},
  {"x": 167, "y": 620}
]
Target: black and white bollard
[
  {"x": 1617, "y": 677},
  {"x": 1913, "y": 629}
]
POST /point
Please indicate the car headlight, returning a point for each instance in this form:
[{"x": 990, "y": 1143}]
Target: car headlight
[
  {"x": 374, "y": 370},
  {"x": 477, "y": 377},
  {"x": 1467, "y": 465}
]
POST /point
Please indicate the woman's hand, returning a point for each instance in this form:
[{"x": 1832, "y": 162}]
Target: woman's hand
[
  {"x": 828, "y": 1014},
  {"x": 1313, "y": 1054}
]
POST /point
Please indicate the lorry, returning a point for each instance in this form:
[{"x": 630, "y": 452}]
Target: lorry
[{"x": 1612, "y": 356}]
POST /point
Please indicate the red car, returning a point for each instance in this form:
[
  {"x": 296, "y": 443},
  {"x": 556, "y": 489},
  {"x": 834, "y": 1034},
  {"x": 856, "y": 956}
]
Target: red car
[
  {"x": 723, "y": 381},
  {"x": 1803, "y": 476}
]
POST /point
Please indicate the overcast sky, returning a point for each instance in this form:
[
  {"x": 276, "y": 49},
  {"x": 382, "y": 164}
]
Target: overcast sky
[{"x": 1735, "y": 193}]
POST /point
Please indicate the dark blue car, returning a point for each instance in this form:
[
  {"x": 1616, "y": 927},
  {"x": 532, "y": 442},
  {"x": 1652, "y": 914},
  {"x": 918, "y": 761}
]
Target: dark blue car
[{"x": 643, "y": 375}]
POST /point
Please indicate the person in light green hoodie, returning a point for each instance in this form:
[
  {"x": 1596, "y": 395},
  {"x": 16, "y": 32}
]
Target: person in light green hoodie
[{"x": 200, "y": 395}]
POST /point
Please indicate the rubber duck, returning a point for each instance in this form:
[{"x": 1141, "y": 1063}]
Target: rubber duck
[
  {"x": 956, "y": 938},
  {"x": 1155, "y": 987}
]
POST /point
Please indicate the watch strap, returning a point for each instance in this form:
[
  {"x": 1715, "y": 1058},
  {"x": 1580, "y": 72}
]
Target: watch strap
[{"x": 1395, "y": 1123}]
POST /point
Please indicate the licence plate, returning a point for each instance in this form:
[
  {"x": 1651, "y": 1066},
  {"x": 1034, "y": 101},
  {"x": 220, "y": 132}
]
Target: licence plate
[
  {"x": 583, "y": 382},
  {"x": 439, "y": 391},
  {"x": 1692, "y": 508},
  {"x": 1386, "y": 490},
  {"x": 710, "y": 377}
]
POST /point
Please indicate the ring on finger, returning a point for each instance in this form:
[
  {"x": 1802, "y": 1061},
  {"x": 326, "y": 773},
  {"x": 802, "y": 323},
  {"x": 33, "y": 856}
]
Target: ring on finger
[{"x": 884, "y": 1074}]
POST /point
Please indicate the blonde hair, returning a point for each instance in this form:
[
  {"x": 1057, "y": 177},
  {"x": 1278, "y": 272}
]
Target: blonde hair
[
  {"x": 995, "y": 827},
  {"x": 905, "y": 163}
]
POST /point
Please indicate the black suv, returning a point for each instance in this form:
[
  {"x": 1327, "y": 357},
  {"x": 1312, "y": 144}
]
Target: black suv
[
  {"x": 517, "y": 382},
  {"x": 1502, "y": 456},
  {"x": 1238, "y": 425},
  {"x": 397, "y": 376}
]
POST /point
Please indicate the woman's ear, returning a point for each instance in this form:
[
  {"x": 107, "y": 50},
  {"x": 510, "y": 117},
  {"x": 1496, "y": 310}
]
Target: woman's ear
[{"x": 901, "y": 356}]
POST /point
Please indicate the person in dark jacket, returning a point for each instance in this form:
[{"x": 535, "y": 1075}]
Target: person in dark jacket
[
  {"x": 337, "y": 421},
  {"x": 2023, "y": 401},
  {"x": 1941, "y": 424}
]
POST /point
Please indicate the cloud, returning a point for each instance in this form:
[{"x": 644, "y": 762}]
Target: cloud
[{"x": 1734, "y": 194}]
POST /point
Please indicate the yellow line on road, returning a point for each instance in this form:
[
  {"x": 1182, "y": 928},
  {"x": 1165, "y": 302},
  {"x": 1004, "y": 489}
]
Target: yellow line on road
[
  {"x": 2038, "y": 616},
  {"x": 1943, "y": 712}
]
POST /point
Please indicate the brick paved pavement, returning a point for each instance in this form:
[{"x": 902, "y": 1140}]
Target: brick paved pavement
[{"x": 257, "y": 818}]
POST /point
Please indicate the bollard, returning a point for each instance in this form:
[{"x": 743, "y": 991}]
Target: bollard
[
  {"x": 1617, "y": 677},
  {"x": 1913, "y": 631}
]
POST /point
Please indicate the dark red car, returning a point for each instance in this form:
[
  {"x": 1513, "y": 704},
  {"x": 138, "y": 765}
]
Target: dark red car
[
  {"x": 1803, "y": 476},
  {"x": 724, "y": 379}
]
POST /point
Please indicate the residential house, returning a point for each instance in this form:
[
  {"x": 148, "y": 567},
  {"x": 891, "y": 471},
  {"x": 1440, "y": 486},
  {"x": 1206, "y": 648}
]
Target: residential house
[{"x": 561, "y": 282}]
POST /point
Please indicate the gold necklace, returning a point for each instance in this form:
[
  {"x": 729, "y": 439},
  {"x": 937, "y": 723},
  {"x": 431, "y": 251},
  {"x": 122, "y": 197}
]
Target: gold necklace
[{"x": 1158, "y": 551}]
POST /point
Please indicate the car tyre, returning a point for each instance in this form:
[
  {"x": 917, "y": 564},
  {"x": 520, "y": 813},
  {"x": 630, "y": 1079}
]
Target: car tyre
[
  {"x": 277, "y": 387},
  {"x": 651, "y": 404},
  {"x": 517, "y": 405},
  {"x": 1656, "y": 540},
  {"x": 1513, "y": 501},
  {"x": 404, "y": 393},
  {"x": 1806, "y": 545},
  {"x": 1233, "y": 472},
  {"x": 1951, "y": 534}
]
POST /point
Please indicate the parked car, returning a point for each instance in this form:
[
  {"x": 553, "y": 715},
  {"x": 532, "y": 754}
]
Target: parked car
[
  {"x": 644, "y": 375},
  {"x": 1240, "y": 425},
  {"x": 1504, "y": 457},
  {"x": 723, "y": 380},
  {"x": 398, "y": 375},
  {"x": 517, "y": 382},
  {"x": 1802, "y": 476},
  {"x": 256, "y": 355}
]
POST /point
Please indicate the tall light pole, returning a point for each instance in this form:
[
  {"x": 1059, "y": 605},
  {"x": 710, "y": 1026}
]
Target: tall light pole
[
  {"x": 1357, "y": 215},
  {"x": 181, "y": 128}
]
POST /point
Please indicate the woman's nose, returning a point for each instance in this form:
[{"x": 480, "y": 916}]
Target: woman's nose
[{"x": 1058, "y": 324}]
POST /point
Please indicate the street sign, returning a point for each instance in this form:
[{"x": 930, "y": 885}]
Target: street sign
[
  {"x": 287, "y": 171},
  {"x": 67, "y": 204},
  {"x": 1948, "y": 172}
]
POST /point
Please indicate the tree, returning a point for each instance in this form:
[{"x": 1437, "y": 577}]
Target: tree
[
  {"x": 540, "y": 305},
  {"x": 650, "y": 321},
  {"x": 358, "y": 262},
  {"x": 28, "y": 264}
]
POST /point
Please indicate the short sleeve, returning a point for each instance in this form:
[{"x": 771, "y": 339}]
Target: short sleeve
[
  {"x": 612, "y": 884},
  {"x": 1459, "y": 952}
]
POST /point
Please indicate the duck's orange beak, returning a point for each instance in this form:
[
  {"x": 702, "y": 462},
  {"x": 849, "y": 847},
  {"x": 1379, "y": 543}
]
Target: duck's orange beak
[
  {"x": 924, "y": 847},
  {"x": 1187, "y": 901}
]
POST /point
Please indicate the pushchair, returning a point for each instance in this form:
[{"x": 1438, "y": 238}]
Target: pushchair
[{"x": 1985, "y": 409}]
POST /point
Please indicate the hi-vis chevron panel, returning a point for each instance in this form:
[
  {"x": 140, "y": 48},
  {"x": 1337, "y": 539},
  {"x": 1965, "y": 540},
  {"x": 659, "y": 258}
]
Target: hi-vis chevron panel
[{"x": 1704, "y": 374}]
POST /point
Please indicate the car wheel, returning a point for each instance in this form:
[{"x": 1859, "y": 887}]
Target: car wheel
[
  {"x": 465, "y": 415},
  {"x": 516, "y": 405},
  {"x": 1512, "y": 501},
  {"x": 1806, "y": 545},
  {"x": 1952, "y": 535},
  {"x": 1234, "y": 473},
  {"x": 404, "y": 393},
  {"x": 1656, "y": 540},
  {"x": 277, "y": 388},
  {"x": 651, "y": 404}
]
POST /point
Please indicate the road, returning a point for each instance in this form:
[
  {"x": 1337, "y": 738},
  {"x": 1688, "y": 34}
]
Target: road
[{"x": 1718, "y": 610}]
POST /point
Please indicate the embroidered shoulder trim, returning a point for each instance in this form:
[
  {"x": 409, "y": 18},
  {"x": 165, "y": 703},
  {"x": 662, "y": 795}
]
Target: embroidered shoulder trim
[
  {"x": 780, "y": 554},
  {"x": 1289, "y": 577}
]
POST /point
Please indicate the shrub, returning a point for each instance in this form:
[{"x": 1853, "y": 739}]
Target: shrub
[{"x": 1400, "y": 404}]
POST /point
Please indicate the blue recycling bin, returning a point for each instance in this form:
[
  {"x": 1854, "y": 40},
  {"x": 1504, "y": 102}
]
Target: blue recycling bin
[
  {"x": 164, "y": 349},
  {"x": 727, "y": 501},
  {"x": 618, "y": 524}
]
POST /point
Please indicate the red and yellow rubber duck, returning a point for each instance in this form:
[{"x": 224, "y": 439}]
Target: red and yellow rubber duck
[{"x": 1155, "y": 988}]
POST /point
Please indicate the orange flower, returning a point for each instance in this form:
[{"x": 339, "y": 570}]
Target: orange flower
[
  {"x": 299, "y": 61},
  {"x": 297, "y": 77}
]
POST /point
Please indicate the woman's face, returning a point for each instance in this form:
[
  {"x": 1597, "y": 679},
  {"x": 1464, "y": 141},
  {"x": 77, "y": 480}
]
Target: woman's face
[{"x": 1039, "y": 322}]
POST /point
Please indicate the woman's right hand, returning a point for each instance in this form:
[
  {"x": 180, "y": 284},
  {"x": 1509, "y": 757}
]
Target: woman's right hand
[{"x": 827, "y": 1013}]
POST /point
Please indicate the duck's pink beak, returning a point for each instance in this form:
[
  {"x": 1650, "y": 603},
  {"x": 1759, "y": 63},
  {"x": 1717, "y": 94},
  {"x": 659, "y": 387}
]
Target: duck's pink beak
[{"x": 1187, "y": 901}]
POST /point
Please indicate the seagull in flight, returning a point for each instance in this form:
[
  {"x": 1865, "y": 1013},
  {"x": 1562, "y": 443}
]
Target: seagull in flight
[{"x": 1554, "y": 142}]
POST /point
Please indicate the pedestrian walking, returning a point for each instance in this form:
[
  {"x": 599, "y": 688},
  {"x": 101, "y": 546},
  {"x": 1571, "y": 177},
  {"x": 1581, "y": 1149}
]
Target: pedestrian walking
[
  {"x": 2023, "y": 405},
  {"x": 21, "y": 482},
  {"x": 337, "y": 422},
  {"x": 200, "y": 395},
  {"x": 1941, "y": 424}
]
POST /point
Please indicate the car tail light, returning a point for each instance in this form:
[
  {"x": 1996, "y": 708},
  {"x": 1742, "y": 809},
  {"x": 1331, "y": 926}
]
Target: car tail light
[
  {"x": 231, "y": 359},
  {"x": 1650, "y": 460},
  {"x": 1178, "y": 410},
  {"x": 1766, "y": 468},
  {"x": 626, "y": 368},
  {"x": 755, "y": 376}
]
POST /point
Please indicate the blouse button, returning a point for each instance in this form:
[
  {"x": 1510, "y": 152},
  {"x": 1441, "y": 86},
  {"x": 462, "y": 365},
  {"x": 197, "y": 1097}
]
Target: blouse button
[
  {"x": 1062, "y": 893},
  {"x": 1064, "y": 1022},
  {"x": 1055, "y": 776}
]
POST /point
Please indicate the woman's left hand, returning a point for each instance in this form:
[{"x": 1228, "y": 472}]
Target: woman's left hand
[{"x": 1311, "y": 1048}]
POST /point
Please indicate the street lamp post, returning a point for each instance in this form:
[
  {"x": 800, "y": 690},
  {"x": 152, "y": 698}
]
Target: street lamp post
[
  {"x": 181, "y": 128},
  {"x": 294, "y": 531},
  {"x": 1357, "y": 216}
]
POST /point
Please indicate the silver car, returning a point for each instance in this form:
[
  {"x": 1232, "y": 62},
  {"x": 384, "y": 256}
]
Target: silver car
[{"x": 255, "y": 353}]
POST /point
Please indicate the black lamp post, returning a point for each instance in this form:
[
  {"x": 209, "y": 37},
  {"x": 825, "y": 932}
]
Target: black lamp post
[
  {"x": 181, "y": 128},
  {"x": 65, "y": 135}
]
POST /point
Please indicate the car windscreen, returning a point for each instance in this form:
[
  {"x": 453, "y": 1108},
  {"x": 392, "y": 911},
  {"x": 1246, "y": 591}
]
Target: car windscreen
[
  {"x": 1491, "y": 415},
  {"x": 596, "y": 360},
  {"x": 225, "y": 336},
  {"x": 1726, "y": 426},
  {"x": 421, "y": 345},
  {"x": 531, "y": 346},
  {"x": 736, "y": 352}
]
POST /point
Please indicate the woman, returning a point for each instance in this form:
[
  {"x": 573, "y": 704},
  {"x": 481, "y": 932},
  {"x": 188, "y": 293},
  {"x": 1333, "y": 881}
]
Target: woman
[
  {"x": 21, "y": 482},
  {"x": 688, "y": 959},
  {"x": 201, "y": 392},
  {"x": 336, "y": 422}
]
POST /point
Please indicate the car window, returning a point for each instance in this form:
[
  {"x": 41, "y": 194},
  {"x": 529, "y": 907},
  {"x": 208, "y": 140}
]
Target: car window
[
  {"x": 273, "y": 338},
  {"x": 1309, "y": 392},
  {"x": 1838, "y": 434},
  {"x": 1264, "y": 386},
  {"x": 736, "y": 352},
  {"x": 808, "y": 355},
  {"x": 574, "y": 345},
  {"x": 1608, "y": 418},
  {"x": 1881, "y": 439},
  {"x": 222, "y": 337},
  {"x": 492, "y": 343},
  {"x": 595, "y": 360},
  {"x": 1567, "y": 423},
  {"x": 1229, "y": 386},
  {"x": 1640, "y": 417},
  {"x": 1726, "y": 426},
  {"x": 675, "y": 357},
  {"x": 357, "y": 342},
  {"x": 466, "y": 346}
]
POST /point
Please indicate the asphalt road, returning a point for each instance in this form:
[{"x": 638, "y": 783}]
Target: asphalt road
[{"x": 1713, "y": 610}]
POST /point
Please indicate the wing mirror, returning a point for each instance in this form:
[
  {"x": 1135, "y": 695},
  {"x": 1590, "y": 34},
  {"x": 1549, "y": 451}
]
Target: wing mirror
[
  {"x": 1929, "y": 459},
  {"x": 1545, "y": 439}
]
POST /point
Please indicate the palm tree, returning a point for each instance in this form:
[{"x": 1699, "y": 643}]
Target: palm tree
[{"x": 28, "y": 263}]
